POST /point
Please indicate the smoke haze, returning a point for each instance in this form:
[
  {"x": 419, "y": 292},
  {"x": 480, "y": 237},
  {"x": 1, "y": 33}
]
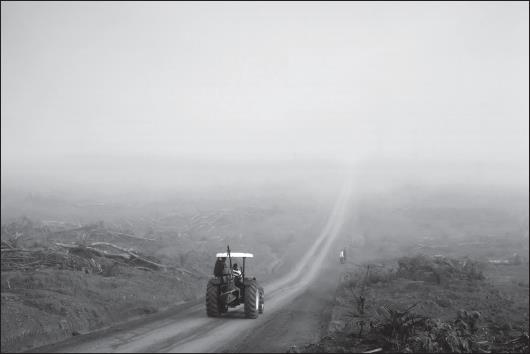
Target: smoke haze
[{"x": 124, "y": 93}]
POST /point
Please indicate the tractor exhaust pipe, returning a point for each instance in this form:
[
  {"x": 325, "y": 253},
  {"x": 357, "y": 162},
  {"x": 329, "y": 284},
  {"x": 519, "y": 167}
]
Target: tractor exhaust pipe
[{"x": 229, "y": 258}]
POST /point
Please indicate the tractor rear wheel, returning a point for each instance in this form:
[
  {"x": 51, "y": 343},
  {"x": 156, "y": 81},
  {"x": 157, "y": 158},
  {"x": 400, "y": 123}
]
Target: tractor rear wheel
[
  {"x": 212, "y": 300},
  {"x": 252, "y": 300},
  {"x": 261, "y": 302}
]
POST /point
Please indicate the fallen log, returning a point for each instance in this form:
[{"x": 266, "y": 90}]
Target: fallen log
[
  {"x": 7, "y": 244},
  {"x": 76, "y": 229},
  {"x": 144, "y": 268},
  {"x": 99, "y": 252},
  {"x": 126, "y": 250},
  {"x": 108, "y": 254},
  {"x": 374, "y": 350},
  {"x": 130, "y": 252},
  {"x": 148, "y": 261},
  {"x": 182, "y": 270},
  {"x": 15, "y": 250},
  {"x": 130, "y": 236},
  {"x": 126, "y": 255},
  {"x": 67, "y": 245}
]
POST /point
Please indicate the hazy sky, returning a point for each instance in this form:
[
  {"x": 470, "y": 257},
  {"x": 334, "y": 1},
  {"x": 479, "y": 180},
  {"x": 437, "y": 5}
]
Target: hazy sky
[{"x": 255, "y": 80}]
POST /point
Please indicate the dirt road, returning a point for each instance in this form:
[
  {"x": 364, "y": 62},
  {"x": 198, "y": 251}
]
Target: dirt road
[
  {"x": 302, "y": 321},
  {"x": 288, "y": 303}
]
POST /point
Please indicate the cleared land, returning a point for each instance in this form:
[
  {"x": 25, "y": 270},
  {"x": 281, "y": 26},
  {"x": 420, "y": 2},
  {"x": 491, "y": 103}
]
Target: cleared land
[
  {"x": 51, "y": 292},
  {"x": 443, "y": 271},
  {"x": 436, "y": 260}
]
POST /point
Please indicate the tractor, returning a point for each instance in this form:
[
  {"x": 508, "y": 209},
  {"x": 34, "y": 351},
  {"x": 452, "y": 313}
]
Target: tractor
[{"x": 230, "y": 288}]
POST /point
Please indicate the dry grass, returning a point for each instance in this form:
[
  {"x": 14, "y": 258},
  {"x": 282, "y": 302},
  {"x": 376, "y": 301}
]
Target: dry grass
[{"x": 43, "y": 306}]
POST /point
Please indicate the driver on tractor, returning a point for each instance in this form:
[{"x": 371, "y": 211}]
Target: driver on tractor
[{"x": 236, "y": 272}]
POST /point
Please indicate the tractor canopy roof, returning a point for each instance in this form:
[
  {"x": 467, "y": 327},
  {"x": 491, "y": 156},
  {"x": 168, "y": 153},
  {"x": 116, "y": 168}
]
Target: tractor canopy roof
[{"x": 235, "y": 254}]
